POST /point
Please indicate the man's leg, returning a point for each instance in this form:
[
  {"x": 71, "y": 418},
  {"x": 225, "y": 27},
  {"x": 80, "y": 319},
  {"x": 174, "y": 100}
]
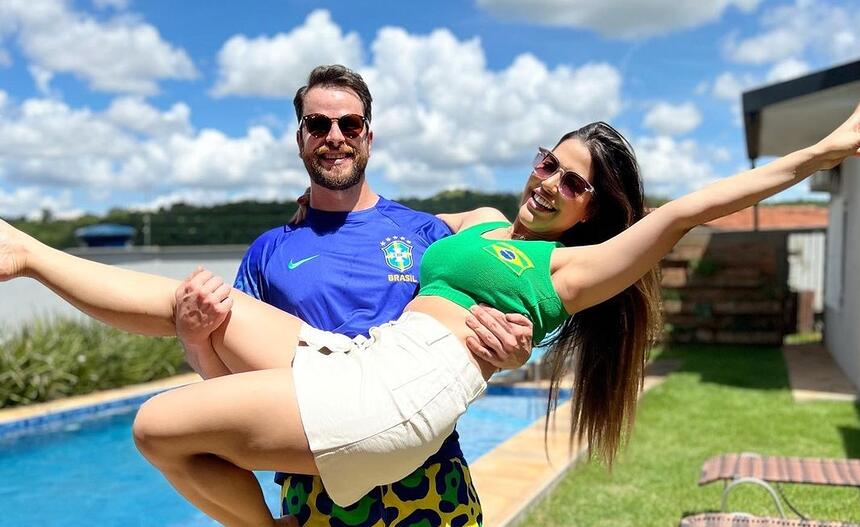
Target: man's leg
[
  {"x": 439, "y": 493},
  {"x": 305, "y": 498}
]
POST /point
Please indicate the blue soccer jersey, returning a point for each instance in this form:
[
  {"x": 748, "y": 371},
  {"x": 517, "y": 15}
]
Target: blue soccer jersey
[{"x": 342, "y": 271}]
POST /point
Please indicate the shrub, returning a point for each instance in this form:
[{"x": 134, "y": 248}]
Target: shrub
[{"x": 54, "y": 358}]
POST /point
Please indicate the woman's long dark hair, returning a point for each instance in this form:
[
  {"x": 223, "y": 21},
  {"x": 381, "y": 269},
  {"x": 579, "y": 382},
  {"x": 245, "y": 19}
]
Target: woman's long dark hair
[{"x": 607, "y": 345}]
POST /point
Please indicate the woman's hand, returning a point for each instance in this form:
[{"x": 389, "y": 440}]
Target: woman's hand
[
  {"x": 842, "y": 142},
  {"x": 13, "y": 252}
]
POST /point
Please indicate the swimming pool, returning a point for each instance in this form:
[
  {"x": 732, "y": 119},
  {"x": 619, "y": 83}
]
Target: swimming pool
[{"x": 89, "y": 472}]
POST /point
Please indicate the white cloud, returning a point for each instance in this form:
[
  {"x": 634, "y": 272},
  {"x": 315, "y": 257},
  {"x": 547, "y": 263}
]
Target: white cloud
[
  {"x": 778, "y": 44},
  {"x": 729, "y": 86},
  {"x": 42, "y": 78},
  {"x": 135, "y": 114},
  {"x": 844, "y": 43},
  {"x": 627, "y": 19},
  {"x": 441, "y": 115},
  {"x": 277, "y": 66},
  {"x": 790, "y": 39},
  {"x": 5, "y": 58},
  {"x": 671, "y": 167},
  {"x": 47, "y": 141},
  {"x": 787, "y": 69},
  {"x": 122, "y": 54},
  {"x": 212, "y": 158},
  {"x": 30, "y": 201},
  {"x": 196, "y": 196},
  {"x": 720, "y": 154},
  {"x": 669, "y": 119},
  {"x": 132, "y": 145},
  {"x": 830, "y": 29}
]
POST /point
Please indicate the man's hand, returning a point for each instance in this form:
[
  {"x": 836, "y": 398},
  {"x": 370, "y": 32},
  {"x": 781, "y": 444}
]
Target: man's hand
[
  {"x": 202, "y": 305},
  {"x": 504, "y": 340}
]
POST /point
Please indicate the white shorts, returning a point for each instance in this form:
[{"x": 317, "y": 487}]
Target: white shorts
[{"x": 374, "y": 409}]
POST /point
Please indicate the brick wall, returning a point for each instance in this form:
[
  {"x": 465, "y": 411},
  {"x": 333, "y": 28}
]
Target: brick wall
[{"x": 728, "y": 288}]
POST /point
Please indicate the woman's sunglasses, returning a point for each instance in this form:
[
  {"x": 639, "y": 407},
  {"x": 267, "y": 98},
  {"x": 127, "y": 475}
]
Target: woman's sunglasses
[
  {"x": 571, "y": 184},
  {"x": 318, "y": 125}
]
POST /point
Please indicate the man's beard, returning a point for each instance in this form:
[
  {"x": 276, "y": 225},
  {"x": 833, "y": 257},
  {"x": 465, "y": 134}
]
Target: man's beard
[{"x": 334, "y": 179}]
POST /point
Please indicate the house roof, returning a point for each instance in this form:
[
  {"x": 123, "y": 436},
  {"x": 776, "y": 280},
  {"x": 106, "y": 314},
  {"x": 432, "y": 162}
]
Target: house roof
[
  {"x": 774, "y": 217},
  {"x": 786, "y": 116}
]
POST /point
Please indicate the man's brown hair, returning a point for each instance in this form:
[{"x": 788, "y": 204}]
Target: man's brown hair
[{"x": 334, "y": 75}]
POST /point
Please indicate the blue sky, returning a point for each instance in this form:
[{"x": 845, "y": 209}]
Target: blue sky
[{"x": 124, "y": 103}]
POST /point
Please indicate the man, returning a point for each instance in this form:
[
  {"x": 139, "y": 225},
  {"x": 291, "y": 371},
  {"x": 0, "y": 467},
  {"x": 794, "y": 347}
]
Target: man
[{"x": 349, "y": 264}]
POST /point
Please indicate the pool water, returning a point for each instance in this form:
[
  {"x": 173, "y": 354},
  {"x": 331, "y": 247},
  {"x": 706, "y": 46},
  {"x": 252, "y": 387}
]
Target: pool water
[{"x": 89, "y": 472}]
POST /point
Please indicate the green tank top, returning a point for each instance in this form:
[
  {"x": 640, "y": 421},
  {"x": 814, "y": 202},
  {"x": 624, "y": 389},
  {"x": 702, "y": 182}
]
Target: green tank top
[{"x": 511, "y": 275}]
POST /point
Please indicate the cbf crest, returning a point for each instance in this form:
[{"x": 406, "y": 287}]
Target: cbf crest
[{"x": 398, "y": 253}]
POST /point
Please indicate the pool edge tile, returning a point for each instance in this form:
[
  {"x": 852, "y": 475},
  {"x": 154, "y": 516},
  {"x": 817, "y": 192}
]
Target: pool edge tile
[{"x": 14, "y": 421}]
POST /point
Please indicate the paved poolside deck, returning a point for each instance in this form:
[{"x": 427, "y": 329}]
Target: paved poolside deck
[{"x": 814, "y": 375}]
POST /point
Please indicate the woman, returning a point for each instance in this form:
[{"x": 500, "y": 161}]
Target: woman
[{"x": 206, "y": 437}]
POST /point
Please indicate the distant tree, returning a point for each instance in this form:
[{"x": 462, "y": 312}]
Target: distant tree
[{"x": 237, "y": 223}]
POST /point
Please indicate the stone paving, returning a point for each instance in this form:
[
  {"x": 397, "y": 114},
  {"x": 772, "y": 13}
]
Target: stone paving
[{"x": 814, "y": 375}]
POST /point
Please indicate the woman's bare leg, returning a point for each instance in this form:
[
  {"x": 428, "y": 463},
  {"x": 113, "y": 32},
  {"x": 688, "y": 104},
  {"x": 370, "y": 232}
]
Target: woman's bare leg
[{"x": 207, "y": 437}]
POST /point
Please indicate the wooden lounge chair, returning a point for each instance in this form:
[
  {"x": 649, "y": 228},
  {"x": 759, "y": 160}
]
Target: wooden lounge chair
[{"x": 725, "y": 519}]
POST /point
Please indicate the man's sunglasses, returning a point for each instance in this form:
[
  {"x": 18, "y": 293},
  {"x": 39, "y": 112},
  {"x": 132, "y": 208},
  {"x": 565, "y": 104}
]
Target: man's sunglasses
[
  {"x": 318, "y": 125},
  {"x": 571, "y": 184}
]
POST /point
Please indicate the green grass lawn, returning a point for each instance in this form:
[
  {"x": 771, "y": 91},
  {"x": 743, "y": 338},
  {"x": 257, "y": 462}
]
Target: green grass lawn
[{"x": 722, "y": 399}]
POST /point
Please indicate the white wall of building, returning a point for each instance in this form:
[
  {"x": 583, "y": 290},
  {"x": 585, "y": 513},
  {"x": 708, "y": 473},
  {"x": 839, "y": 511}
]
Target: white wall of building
[
  {"x": 842, "y": 289},
  {"x": 806, "y": 257}
]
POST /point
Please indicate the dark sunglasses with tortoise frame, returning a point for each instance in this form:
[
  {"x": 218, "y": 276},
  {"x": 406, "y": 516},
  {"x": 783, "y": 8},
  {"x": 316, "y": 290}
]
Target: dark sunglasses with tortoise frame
[{"x": 351, "y": 125}]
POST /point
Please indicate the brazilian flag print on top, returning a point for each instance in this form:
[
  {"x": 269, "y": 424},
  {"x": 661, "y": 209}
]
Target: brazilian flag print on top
[{"x": 513, "y": 258}]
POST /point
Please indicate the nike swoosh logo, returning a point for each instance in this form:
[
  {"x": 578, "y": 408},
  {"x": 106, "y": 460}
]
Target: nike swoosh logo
[{"x": 292, "y": 265}]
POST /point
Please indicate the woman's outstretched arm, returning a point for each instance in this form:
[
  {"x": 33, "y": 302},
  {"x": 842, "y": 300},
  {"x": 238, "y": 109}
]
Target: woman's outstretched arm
[{"x": 589, "y": 275}]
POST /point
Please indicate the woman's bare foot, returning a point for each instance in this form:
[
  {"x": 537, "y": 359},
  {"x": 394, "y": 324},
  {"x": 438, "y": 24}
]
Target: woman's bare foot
[{"x": 12, "y": 259}]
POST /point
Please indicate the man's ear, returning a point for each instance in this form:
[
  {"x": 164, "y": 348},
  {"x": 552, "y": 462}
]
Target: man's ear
[
  {"x": 369, "y": 140},
  {"x": 299, "y": 140}
]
